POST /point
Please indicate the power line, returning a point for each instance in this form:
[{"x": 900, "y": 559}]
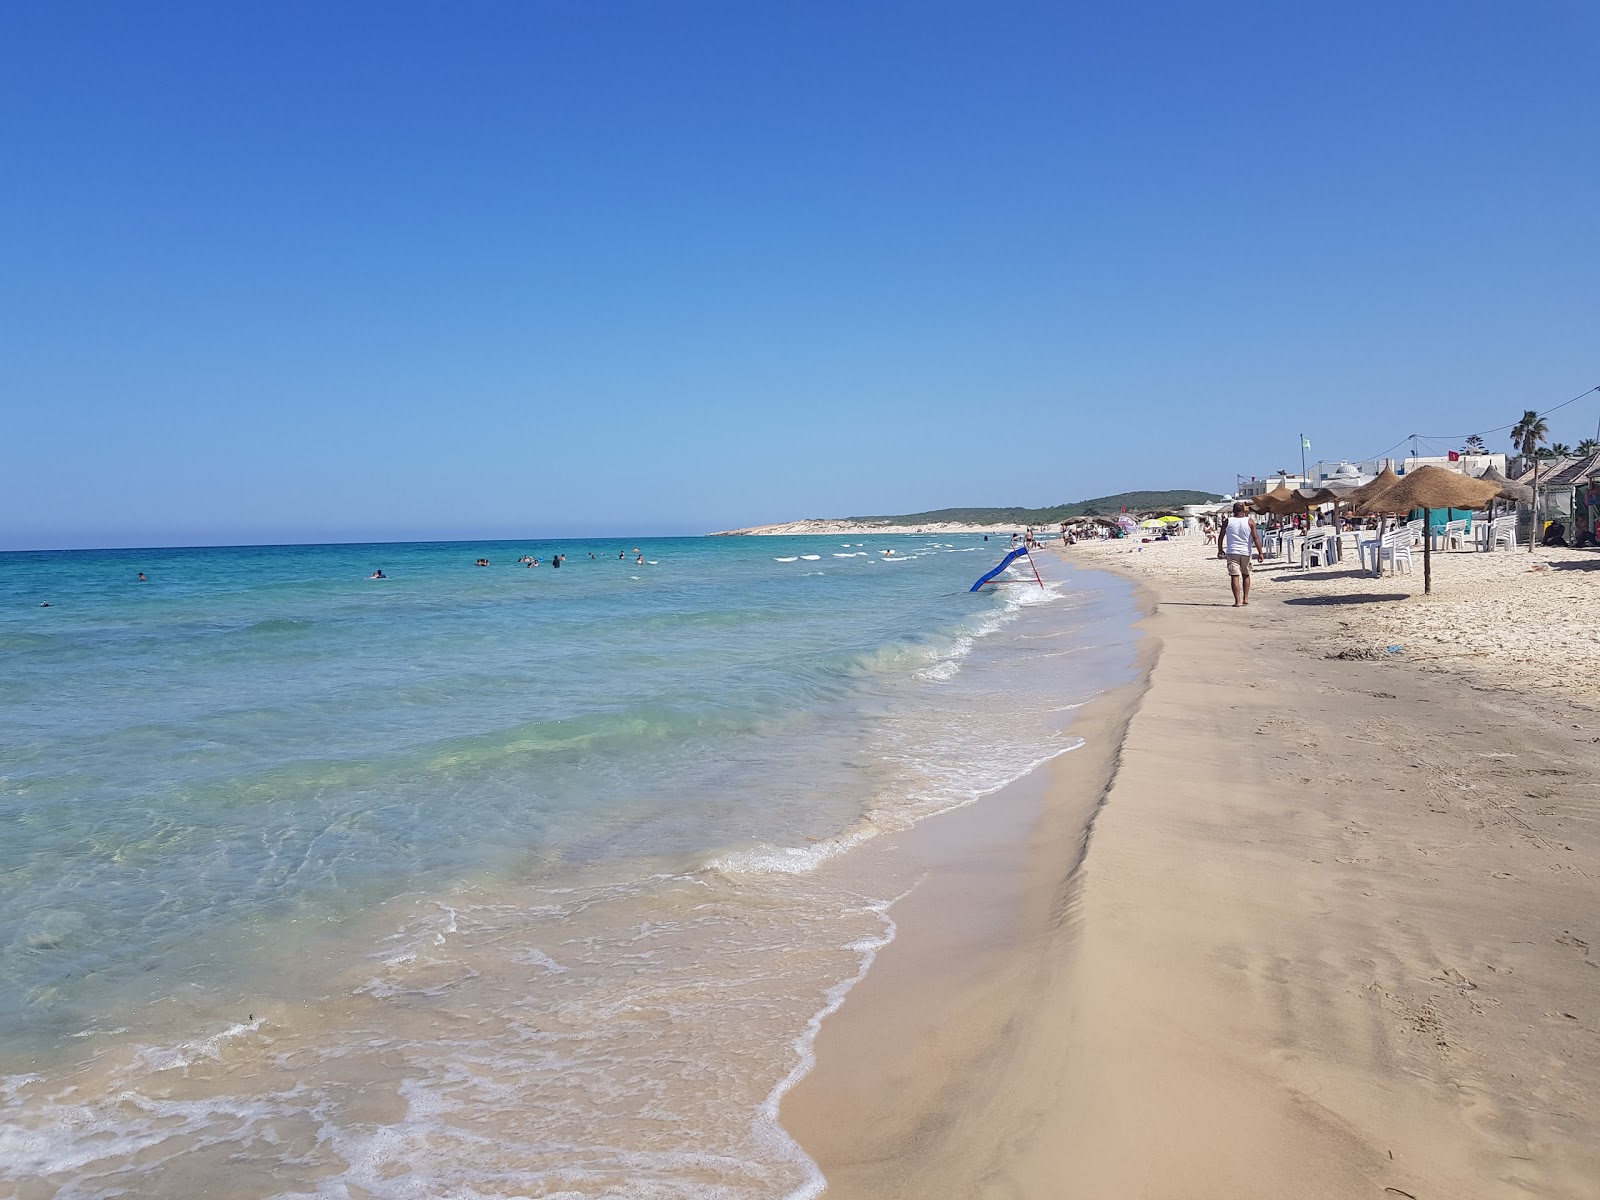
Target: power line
[
  {"x": 1461, "y": 437},
  {"x": 1450, "y": 437}
]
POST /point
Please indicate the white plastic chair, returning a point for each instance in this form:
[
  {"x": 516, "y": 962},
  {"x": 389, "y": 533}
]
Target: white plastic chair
[
  {"x": 1319, "y": 550},
  {"x": 1503, "y": 532},
  {"x": 1397, "y": 552},
  {"x": 1367, "y": 552},
  {"x": 1453, "y": 536}
]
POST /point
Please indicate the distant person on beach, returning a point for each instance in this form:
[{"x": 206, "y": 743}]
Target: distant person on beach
[
  {"x": 1555, "y": 535},
  {"x": 1234, "y": 544}
]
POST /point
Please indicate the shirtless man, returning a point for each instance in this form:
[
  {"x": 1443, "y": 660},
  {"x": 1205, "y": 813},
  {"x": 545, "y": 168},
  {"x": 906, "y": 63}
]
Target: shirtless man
[{"x": 1234, "y": 541}]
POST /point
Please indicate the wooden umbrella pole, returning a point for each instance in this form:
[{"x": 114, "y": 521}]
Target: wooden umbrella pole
[
  {"x": 1533, "y": 537},
  {"x": 1427, "y": 549}
]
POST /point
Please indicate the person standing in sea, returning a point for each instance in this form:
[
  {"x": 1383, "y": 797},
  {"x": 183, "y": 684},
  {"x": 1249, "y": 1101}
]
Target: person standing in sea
[{"x": 1234, "y": 543}]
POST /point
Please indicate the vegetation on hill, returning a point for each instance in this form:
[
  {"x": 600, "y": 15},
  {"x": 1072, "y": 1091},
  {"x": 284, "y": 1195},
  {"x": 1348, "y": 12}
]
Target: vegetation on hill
[{"x": 1099, "y": 506}]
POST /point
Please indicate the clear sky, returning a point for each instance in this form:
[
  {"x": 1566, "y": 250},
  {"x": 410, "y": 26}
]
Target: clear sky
[{"x": 337, "y": 271}]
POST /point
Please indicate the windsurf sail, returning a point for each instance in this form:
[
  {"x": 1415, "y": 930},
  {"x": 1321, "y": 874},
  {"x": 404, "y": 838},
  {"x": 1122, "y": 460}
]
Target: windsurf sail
[{"x": 1005, "y": 562}]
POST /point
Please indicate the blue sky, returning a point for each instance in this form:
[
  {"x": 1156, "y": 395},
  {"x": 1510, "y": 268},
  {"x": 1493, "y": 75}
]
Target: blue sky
[{"x": 323, "y": 271}]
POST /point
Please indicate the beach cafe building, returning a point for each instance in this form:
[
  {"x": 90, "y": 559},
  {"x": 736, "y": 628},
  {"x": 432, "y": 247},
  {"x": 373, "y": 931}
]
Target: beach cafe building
[{"x": 1569, "y": 492}]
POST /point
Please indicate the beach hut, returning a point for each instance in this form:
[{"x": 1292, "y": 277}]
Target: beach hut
[
  {"x": 1429, "y": 488},
  {"x": 1570, "y": 493}
]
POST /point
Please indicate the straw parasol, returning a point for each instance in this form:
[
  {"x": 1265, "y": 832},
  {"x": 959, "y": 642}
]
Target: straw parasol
[
  {"x": 1510, "y": 491},
  {"x": 1429, "y": 488},
  {"x": 1517, "y": 493},
  {"x": 1280, "y": 501},
  {"x": 1359, "y": 496}
]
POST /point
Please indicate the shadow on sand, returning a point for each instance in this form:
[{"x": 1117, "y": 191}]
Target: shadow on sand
[
  {"x": 1351, "y": 598},
  {"x": 1592, "y": 565},
  {"x": 1317, "y": 576}
]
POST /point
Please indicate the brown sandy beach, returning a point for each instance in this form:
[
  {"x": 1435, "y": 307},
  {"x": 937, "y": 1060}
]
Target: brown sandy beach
[{"x": 1289, "y": 925}]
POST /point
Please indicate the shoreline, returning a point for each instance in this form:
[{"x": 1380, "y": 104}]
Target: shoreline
[
  {"x": 1331, "y": 936},
  {"x": 990, "y": 922}
]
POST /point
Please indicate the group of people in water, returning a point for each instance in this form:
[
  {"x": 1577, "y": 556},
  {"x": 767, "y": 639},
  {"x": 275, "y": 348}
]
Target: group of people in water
[{"x": 527, "y": 560}]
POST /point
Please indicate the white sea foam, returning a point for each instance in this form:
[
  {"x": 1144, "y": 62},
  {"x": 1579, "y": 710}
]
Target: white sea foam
[
  {"x": 766, "y": 1128},
  {"x": 767, "y": 859},
  {"x": 811, "y": 557},
  {"x": 534, "y": 957},
  {"x": 791, "y": 558},
  {"x": 186, "y": 1054}
]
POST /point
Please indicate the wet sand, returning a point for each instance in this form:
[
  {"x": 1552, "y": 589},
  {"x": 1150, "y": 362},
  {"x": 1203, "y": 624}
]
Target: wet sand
[{"x": 1288, "y": 925}]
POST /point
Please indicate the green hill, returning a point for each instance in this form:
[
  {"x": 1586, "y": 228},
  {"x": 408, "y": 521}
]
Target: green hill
[{"x": 1100, "y": 505}]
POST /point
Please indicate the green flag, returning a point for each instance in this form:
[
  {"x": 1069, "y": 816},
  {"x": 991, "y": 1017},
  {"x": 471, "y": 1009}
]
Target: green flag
[{"x": 1305, "y": 442}]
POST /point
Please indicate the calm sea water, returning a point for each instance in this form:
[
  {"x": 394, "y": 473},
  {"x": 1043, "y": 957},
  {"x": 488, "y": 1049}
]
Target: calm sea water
[{"x": 477, "y": 881}]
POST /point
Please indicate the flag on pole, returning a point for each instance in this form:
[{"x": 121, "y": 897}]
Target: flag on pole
[{"x": 1305, "y": 443}]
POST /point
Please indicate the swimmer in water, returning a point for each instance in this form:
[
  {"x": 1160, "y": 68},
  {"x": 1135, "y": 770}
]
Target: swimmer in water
[
  {"x": 377, "y": 575},
  {"x": 640, "y": 560},
  {"x": 555, "y": 560},
  {"x": 142, "y": 578}
]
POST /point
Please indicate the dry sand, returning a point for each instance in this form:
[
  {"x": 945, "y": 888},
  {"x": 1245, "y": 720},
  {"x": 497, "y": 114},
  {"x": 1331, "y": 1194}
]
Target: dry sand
[
  {"x": 1290, "y": 925},
  {"x": 1524, "y": 620}
]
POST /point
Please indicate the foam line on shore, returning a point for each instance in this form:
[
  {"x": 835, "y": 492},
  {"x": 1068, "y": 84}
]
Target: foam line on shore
[{"x": 766, "y": 1128}]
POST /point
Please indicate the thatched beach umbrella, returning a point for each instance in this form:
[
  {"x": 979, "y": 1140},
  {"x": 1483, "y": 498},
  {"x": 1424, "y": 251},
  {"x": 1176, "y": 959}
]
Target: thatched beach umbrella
[
  {"x": 1358, "y": 497},
  {"x": 1279, "y": 502},
  {"x": 1510, "y": 491},
  {"x": 1429, "y": 488},
  {"x": 1516, "y": 493}
]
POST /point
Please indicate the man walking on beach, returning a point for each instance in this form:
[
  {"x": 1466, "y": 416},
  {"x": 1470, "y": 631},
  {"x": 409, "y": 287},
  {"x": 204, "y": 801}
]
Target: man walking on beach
[{"x": 1234, "y": 544}]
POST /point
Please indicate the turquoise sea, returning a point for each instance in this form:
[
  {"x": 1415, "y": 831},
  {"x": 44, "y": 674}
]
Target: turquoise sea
[{"x": 478, "y": 881}]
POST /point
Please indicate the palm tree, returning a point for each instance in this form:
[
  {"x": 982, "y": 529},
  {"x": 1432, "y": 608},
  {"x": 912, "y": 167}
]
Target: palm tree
[
  {"x": 1589, "y": 446},
  {"x": 1475, "y": 444},
  {"x": 1559, "y": 450},
  {"x": 1529, "y": 433}
]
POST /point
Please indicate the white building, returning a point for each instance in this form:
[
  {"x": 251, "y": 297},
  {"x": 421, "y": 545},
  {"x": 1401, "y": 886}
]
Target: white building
[
  {"x": 1361, "y": 472},
  {"x": 1260, "y": 487}
]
